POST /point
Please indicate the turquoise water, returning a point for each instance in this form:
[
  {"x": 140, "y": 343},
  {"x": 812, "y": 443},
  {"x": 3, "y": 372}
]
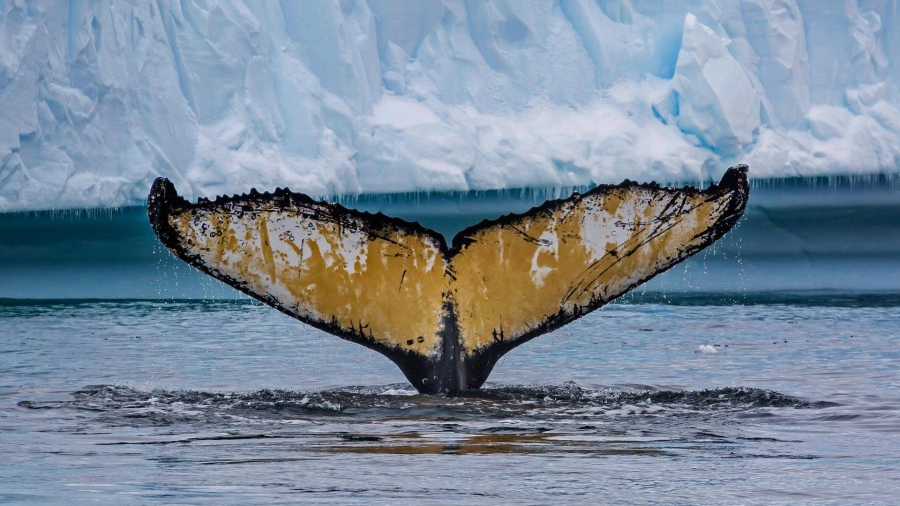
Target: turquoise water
[{"x": 801, "y": 235}]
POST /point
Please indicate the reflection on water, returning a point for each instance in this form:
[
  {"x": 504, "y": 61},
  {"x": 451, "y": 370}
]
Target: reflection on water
[{"x": 780, "y": 397}]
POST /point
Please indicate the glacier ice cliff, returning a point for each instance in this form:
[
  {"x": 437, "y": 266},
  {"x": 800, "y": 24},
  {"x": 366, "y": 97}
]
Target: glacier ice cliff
[{"x": 99, "y": 97}]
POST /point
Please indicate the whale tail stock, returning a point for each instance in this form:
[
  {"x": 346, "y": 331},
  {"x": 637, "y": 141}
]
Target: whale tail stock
[{"x": 444, "y": 314}]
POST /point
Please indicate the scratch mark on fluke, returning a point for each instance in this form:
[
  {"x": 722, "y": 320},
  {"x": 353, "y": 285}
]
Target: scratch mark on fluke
[{"x": 458, "y": 308}]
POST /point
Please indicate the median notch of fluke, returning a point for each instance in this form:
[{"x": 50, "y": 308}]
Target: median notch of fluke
[{"x": 445, "y": 313}]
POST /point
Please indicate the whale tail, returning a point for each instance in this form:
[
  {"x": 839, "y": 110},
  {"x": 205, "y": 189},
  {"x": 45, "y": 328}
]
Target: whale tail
[{"x": 445, "y": 314}]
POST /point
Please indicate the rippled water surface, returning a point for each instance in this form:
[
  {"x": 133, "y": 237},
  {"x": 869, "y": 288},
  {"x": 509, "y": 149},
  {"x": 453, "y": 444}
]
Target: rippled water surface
[{"x": 769, "y": 398}]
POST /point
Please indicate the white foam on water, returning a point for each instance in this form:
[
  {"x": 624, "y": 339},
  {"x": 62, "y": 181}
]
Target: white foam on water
[{"x": 706, "y": 349}]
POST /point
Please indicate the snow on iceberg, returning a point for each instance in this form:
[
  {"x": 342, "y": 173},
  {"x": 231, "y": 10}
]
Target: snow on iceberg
[{"x": 361, "y": 96}]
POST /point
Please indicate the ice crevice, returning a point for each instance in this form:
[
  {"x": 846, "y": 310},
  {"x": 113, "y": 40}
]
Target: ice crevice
[{"x": 348, "y": 97}]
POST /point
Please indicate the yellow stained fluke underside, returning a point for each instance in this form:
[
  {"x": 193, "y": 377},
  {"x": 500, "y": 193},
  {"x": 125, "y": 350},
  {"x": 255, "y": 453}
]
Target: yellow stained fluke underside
[
  {"x": 386, "y": 289},
  {"x": 398, "y": 286},
  {"x": 513, "y": 278}
]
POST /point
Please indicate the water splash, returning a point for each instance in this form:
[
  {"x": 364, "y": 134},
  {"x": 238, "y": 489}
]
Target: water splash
[{"x": 128, "y": 405}]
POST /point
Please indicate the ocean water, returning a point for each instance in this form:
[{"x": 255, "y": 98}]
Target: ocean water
[
  {"x": 760, "y": 398},
  {"x": 764, "y": 370}
]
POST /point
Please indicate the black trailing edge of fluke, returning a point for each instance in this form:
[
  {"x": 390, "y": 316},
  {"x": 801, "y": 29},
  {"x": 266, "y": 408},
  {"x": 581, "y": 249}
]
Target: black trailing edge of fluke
[{"x": 445, "y": 314}]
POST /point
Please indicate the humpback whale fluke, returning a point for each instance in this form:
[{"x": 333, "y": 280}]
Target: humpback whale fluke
[{"x": 445, "y": 314}]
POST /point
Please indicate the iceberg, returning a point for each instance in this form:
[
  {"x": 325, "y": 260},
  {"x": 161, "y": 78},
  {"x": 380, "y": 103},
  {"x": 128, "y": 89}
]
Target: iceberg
[
  {"x": 716, "y": 101},
  {"x": 349, "y": 97}
]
